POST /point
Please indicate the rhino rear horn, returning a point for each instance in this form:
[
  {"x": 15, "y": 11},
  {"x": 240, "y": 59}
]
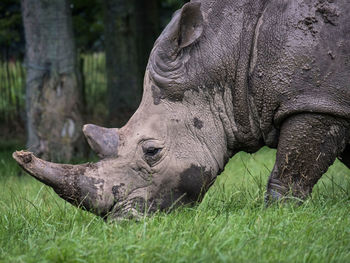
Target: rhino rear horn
[{"x": 103, "y": 141}]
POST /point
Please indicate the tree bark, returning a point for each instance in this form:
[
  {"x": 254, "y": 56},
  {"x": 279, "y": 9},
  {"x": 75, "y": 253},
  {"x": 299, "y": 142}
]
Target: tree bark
[
  {"x": 53, "y": 99},
  {"x": 131, "y": 27}
]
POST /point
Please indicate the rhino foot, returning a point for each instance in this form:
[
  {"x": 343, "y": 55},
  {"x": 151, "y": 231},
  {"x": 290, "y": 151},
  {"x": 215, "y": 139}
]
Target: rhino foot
[{"x": 308, "y": 145}]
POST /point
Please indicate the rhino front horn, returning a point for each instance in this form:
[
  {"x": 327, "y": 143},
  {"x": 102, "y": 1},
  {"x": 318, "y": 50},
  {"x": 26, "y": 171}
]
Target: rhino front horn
[
  {"x": 104, "y": 141},
  {"x": 61, "y": 177},
  {"x": 74, "y": 183}
]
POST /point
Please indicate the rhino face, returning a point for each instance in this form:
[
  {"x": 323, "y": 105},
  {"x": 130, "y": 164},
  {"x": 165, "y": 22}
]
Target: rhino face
[
  {"x": 169, "y": 152},
  {"x": 157, "y": 152},
  {"x": 155, "y": 162}
]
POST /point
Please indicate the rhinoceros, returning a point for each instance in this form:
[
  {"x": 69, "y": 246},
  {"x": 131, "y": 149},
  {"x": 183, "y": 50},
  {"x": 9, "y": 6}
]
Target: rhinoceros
[{"x": 224, "y": 76}]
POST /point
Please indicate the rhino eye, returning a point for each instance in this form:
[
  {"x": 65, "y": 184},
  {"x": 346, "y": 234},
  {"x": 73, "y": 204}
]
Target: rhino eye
[
  {"x": 151, "y": 151},
  {"x": 151, "y": 154}
]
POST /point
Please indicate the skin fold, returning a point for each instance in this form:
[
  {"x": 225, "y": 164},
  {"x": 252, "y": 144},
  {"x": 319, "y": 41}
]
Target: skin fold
[{"x": 223, "y": 77}]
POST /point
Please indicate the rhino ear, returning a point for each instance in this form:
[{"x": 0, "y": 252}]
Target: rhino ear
[{"x": 190, "y": 25}]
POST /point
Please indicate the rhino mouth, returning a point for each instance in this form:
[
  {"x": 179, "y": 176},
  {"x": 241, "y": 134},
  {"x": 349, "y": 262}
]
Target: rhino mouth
[
  {"x": 134, "y": 208},
  {"x": 137, "y": 208}
]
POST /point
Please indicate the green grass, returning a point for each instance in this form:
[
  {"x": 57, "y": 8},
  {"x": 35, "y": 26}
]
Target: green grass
[{"x": 230, "y": 225}]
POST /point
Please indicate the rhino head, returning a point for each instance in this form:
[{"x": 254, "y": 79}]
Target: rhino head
[{"x": 169, "y": 152}]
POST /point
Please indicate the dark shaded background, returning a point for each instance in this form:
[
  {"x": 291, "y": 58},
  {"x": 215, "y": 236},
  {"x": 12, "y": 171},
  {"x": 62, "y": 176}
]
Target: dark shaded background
[{"x": 89, "y": 25}]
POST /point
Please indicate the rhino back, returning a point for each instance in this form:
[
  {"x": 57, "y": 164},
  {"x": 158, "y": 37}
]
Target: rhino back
[{"x": 301, "y": 61}]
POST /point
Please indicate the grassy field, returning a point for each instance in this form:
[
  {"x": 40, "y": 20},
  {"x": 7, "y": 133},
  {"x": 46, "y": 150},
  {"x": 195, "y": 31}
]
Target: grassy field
[{"x": 230, "y": 225}]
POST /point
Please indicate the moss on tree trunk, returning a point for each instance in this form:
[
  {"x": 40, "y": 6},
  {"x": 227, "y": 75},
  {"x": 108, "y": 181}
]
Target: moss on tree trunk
[{"x": 53, "y": 99}]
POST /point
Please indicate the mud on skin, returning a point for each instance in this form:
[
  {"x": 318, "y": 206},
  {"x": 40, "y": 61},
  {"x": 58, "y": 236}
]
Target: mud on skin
[{"x": 223, "y": 77}]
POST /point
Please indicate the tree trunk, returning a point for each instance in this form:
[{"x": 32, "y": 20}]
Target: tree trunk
[
  {"x": 53, "y": 99},
  {"x": 131, "y": 27}
]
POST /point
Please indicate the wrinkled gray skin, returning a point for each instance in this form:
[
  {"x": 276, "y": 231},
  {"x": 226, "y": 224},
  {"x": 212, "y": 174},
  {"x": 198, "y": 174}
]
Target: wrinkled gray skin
[{"x": 224, "y": 76}]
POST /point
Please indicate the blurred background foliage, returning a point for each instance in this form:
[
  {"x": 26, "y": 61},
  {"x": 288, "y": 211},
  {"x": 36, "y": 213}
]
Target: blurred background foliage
[
  {"x": 88, "y": 26},
  {"x": 11, "y": 28}
]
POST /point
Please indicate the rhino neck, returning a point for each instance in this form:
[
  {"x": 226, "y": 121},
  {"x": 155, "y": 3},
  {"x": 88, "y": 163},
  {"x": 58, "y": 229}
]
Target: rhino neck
[
  {"x": 231, "y": 130},
  {"x": 240, "y": 19},
  {"x": 209, "y": 114},
  {"x": 231, "y": 30}
]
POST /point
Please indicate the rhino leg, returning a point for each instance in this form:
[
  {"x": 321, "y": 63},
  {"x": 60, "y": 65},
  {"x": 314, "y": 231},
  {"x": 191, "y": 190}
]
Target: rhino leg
[
  {"x": 345, "y": 156},
  {"x": 308, "y": 145}
]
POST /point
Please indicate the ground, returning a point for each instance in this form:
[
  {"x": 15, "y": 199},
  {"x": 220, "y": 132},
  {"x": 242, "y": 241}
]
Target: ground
[{"x": 230, "y": 225}]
